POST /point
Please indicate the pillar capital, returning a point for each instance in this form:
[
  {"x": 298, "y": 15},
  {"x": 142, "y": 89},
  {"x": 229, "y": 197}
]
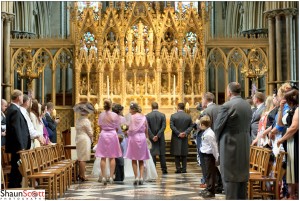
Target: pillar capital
[
  {"x": 280, "y": 12},
  {"x": 8, "y": 17}
]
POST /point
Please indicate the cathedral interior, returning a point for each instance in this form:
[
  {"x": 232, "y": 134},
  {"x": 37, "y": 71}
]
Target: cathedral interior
[
  {"x": 66, "y": 52},
  {"x": 168, "y": 52}
]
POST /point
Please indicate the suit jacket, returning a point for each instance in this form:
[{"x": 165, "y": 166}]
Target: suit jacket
[
  {"x": 17, "y": 133},
  {"x": 180, "y": 122},
  {"x": 232, "y": 132},
  {"x": 156, "y": 127},
  {"x": 3, "y": 122},
  {"x": 212, "y": 111},
  {"x": 52, "y": 125},
  {"x": 255, "y": 120}
]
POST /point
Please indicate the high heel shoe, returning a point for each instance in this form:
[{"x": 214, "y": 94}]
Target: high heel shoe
[
  {"x": 104, "y": 181},
  {"x": 111, "y": 181},
  {"x": 136, "y": 181}
]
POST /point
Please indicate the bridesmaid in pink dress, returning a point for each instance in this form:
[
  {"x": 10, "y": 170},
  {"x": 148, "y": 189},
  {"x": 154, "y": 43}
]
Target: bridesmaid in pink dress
[
  {"x": 108, "y": 144},
  {"x": 137, "y": 149}
]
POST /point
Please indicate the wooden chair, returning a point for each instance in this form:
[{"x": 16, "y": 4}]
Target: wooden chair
[
  {"x": 62, "y": 161},
  {"x": 65, "y": 158},
  {"x": 5, "y": 165},
  {"x": 255, "y": 158},
  {"x": 60, "y": 174},
  {"x": 44, "y": 180},
  {"x": 261, "y": 179}
]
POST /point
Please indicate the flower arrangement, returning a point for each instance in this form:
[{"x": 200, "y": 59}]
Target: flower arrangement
[{"x": 124, "y": 127}]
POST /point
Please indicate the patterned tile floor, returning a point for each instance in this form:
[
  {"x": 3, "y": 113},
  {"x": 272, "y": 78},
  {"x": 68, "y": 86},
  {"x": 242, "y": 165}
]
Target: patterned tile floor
[{"x": 167, "y": 187}]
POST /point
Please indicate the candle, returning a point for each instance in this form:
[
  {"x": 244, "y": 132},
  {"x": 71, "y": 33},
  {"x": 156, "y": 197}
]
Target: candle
[
  {"x": 174, "y": 88},
  {"x": 107, "y": 84}
]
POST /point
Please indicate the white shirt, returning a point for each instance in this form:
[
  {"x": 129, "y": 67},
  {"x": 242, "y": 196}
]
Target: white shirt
[
  {"x": 259, "y": 106},
  {"x": 33, "y": 133},
  {"x": 209, "y": 143}
]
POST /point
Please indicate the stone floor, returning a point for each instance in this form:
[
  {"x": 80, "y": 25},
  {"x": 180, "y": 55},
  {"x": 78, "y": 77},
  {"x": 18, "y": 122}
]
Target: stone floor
[{"x": 167, "y": 187}]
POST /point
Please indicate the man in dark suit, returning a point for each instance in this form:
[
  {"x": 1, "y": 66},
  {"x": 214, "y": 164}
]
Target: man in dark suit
[
  {"x": 181, "y": 125},
  {"x": 17, "y": 137},
  {"x": 232, "y": 132},
  {"x": 156, "y": 128},
  {"x": 52, "y": 124},
  {"x": 3, "y": 121},
  {"x": 211, "y": 109},
  {"x": 258, "y": 100}
]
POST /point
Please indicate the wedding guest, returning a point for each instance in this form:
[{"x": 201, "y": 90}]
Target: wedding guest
[
  {"x": 52, "y": 123},
  {"x": 181, "y": 125},
  {"x": 232, "y": 132},
  {"x": 258, "y": 100},
  {"x": 108, "y": 144},
  {"x": 35, "y": 113},
  {"x": 17, "y": 138},
  {"x": 46, "y": 129},
  {"x": 157, "y": 125},
  {"x": 209, "y": 149},
  {"x": 3, "y": 121},
  {"x": 137, "y": 149},
  {"x": 34, "y": 134},
  {"x": 84, "y": 136},
  {"x": 261, "y": 138},
  {"x": 291, "y": 120}
]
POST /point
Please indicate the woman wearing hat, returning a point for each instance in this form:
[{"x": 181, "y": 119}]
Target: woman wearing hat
[
  {"x": 137, "y": 149},
  {"x": 108, "y": 144},
  {"x": 84, "y": 136}
]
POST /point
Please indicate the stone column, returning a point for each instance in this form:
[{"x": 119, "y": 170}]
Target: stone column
[
  {"x": 289, "y": 44},
  {"x": 7, "y": 19},
  {"x": 278, "y": 49},
  {"x": 271, "y": 71}
]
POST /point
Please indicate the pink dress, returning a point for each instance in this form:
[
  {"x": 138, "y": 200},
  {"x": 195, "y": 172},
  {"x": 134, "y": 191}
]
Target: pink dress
[
  {"x": 108, "y": 144},
  {"x": 137, "y": 145}
]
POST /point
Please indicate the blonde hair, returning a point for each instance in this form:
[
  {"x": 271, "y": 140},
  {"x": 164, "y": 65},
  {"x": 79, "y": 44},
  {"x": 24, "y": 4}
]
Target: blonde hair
[
  {"x": 205, "y": 120},
  {"x": 283, "y": 89},
  {"x": 269, "y": 104}
]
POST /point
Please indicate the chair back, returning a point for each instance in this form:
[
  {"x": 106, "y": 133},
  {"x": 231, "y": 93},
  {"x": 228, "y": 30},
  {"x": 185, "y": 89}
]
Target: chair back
[
  {"x": 264, "y": 161},
  {"x": 25, "y": 166}
]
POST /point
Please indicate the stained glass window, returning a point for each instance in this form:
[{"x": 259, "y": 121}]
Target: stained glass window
[
  {"x": 88, "y": 41},
  {"x": 85, "y": 4},
  {"x": 186, "y": 4}
]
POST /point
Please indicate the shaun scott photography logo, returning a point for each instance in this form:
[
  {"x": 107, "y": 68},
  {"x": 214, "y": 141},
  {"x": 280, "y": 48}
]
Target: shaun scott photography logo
[{"x": 22, "y": 195}]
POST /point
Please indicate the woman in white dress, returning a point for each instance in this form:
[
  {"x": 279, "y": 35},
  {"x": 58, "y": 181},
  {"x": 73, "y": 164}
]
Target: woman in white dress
[
  {"x": 37, "y": 123},
  {"x": 84, "y": 136}
]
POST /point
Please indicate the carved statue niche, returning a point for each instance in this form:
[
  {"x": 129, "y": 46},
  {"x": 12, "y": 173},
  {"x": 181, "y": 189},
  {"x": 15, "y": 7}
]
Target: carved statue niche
[
  {"x": 116, "y": 83},
  {"x": 187, "y": 86},
  {"x": 129, "y": 83},
  {"x": 164, "y": 83},
  {"x": 83, "y": 84},
  {"x": 140, "y": 83},
  {"x": 93, "y": 83},
  {"x": 151, "y": 84}
]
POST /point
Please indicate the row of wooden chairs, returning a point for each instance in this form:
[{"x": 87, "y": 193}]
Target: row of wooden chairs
[
  {"x": 47, "y": 168},
  {"x": 259, "y": 170}
]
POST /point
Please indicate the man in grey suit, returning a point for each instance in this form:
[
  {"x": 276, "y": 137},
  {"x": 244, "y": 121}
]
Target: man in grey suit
[
  {"x": 258, "y": 100},
  {"x": 181, "y": 125},
  {"x": 212, "y": 110},
  {"x": 156, "y": 128},
  {"x": 232, "y": 132}
]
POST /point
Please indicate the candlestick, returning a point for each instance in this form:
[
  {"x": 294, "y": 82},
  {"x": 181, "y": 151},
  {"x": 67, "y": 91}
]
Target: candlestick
[{"x": 174, "y": 88}]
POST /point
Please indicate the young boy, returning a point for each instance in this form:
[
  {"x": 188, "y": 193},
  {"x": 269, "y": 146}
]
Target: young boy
[{"x": 209, "y": 149}]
